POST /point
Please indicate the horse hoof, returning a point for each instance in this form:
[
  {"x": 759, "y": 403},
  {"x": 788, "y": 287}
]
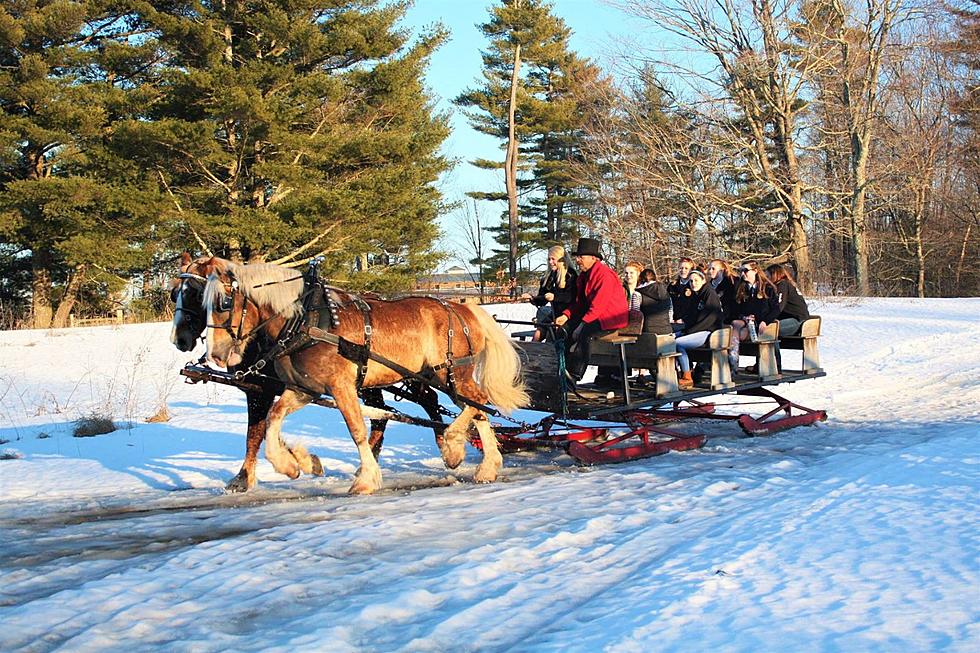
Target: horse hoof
[
  {"x": 238, "y": 484},
  {"x": 485, "y": 474},
  {"x": 317, "y": 467},
  {"x": 453, "y": 455},
  {"x": 361, "y": 487}
]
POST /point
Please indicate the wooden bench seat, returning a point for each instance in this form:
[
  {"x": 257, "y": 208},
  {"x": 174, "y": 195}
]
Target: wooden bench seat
[
  {"x": 715, "y": 351},
  {"x": 642, "y": 351},
  {"x": 805, "y": 341}
]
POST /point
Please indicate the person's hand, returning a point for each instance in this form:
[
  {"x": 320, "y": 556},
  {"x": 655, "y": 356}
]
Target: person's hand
[
  {"x": 549, "y": 296},
  {"x": 560, "y": 320}
]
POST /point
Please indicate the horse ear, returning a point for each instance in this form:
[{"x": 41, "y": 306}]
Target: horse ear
[{"x": 185, "y": 260}]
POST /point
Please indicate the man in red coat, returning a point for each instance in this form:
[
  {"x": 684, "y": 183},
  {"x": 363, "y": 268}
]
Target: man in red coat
[{"x": 599, "y": 308}]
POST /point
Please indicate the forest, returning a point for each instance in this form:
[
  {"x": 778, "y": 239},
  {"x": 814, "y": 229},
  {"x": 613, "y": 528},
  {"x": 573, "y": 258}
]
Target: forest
[{"x": 837, "y": 136}]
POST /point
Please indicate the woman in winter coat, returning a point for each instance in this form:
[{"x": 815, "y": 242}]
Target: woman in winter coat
[
  {"x": 556, "y": 291},
  {"x": 724, "y": 282},
  {"x": 757, "y": 298},
  {"x": 703, "y": 316},
  {"x": 681, "y": 295},
  {"x": 654, "y": 303},
  {"x": 793, "y": 310}
]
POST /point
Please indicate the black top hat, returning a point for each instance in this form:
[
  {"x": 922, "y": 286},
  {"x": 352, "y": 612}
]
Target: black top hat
[{"x": 588, "y": 247}]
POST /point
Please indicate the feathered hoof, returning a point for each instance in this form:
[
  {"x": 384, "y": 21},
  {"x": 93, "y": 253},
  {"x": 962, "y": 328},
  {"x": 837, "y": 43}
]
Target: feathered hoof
[
  {"x": 485, "y": 473},
  {"x": 366, "y": 482},
  {"x": 239, "y": 484},
  {"x": 317, "y": 465},
  {"x": 453, "y": 454}
]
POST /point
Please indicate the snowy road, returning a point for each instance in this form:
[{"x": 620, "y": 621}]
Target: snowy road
[{"x": 859, "y": 534}]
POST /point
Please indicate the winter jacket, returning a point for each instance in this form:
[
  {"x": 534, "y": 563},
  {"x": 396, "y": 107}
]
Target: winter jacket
[
  {"x": 563, "y": 296},
  {"x": 704, "y": 311},
  {"x": 655, "y": 306},
  {"x": 791, "y": 302},
  {"x": 726, "y": 293},
  {"x": 765, "y": 309},
  {"x": 599, "y": 297},
  {"x": 681, "y": 296}
]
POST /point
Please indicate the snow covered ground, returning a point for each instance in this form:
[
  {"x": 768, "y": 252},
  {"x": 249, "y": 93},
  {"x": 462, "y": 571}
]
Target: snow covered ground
[{"x": 857, "y": 534}]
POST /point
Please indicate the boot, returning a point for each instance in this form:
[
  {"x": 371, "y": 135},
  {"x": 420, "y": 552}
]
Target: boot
[{"x": 685, "y": 381}]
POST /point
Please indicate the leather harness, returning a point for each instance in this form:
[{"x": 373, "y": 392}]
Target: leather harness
[{"x": 322, "y": 306}]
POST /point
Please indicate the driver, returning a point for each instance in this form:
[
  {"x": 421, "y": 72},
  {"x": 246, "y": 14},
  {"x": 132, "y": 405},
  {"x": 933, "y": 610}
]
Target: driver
[{"x": 599, "y": 307}]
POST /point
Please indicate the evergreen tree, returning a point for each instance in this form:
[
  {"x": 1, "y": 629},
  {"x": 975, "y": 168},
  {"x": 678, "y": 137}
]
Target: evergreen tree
[
  {"x": 548, "y": 117},
  {"x": 69, "y": 70},
  {"x": 287, "y": 129}
]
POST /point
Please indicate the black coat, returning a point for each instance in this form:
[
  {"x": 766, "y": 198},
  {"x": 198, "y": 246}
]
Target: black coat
[
  {"x": 726, "y": 293},
  {"x": 655, "y": 306},
  {"x": 765, "y": 309},
  {"x": 704, "y": 311},
  {"x": 681, "y": 297},
  {"x": 791, "y": 302},
  {"x": 563, "y": 296}
]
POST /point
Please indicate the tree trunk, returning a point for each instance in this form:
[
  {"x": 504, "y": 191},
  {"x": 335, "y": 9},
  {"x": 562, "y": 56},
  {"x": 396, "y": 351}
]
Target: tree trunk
[
  {"x": 510, "y": 165},
  {"x": 859, "y": 236},
  {"x": 71, "y": 296},
  {"x": 959, "y": 264},
  {"x": 41, "y": 288}
]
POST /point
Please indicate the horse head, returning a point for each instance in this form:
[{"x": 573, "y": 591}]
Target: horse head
[{"x": 187, "y": 293}]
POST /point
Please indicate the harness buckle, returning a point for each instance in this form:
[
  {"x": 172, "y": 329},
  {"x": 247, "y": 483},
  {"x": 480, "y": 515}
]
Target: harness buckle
[
  {"x": 259, "y": 364},
  {"x": 368, "y": 330}
]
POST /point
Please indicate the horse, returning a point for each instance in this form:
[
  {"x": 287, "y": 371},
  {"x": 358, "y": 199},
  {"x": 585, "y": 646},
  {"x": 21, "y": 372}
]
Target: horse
[
  {"x": 385, "y": 342},
  {"x": 187, "y": 293}
]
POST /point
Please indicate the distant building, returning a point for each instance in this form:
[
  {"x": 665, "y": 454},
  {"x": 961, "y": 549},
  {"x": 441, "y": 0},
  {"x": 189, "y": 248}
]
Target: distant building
[{"x": 454, "y": 280}]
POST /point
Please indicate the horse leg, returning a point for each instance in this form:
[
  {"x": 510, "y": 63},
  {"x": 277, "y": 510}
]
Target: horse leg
[
  {"x": 373, "y": 397},
  {"x": 258, "y": 408},
  {"x": 377, "y": 438},
  {"x": 276, "y": 452},
  {"x": 368, "y": 477},
  {"x": 489, "y": 467},
  {"x": 453, "y": 445}
]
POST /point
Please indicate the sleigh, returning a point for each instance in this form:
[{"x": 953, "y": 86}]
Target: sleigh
[{"x": 647, "y": 413}]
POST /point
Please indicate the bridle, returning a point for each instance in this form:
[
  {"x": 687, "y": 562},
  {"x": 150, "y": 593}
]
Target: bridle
[
  {"x": 178, "y": 291},
  {"x": 226, "y": 304}
]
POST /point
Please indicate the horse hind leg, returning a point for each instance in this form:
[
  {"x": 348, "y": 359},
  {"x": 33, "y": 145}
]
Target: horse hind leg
[
  {"x": 489, "y": 467},
  {"x": 453, "y": 445}
]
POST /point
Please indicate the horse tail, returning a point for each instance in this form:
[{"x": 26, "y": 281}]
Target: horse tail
[{"x": 499, "y": 367}]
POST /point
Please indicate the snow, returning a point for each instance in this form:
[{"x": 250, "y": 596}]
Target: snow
[{"x": 857, "y": 534}]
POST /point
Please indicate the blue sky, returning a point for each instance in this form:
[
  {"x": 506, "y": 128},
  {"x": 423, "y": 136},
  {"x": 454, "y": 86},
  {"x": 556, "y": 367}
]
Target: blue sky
[{"x": 456, "y": 67}]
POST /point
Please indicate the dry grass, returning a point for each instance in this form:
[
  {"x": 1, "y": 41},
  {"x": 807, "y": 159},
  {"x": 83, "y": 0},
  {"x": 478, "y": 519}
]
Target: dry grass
[
  {"x": 162, "y": 415},
  {"x": 92, "y": 425},
  {"x": 10, "y": 454}
]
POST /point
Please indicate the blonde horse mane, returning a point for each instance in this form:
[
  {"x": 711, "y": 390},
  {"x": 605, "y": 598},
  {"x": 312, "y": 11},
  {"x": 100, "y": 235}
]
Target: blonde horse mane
[{"x": 265, "y": 284}]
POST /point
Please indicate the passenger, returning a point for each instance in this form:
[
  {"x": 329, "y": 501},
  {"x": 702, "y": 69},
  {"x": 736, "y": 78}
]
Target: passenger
[
  {"x": 631, "y": 280},
  {"x": 556, "y": 292},
  {"x": 704, "y": 316},
  {"x": 793, "y": 310},
  {"x": 757, "y": 298},
  {"x": 599, "y": 306},
  {"x": 725, "y": 283},
  {"x": 680, "y": 292},
  {"x": 654, "y": 303}
]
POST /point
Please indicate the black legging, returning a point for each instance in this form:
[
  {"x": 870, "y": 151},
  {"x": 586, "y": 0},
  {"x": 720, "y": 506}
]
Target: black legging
[{"x": 578, "y": 360}]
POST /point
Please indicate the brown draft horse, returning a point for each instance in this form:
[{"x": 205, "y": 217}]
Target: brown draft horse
[{"x": 244, "y": 302}]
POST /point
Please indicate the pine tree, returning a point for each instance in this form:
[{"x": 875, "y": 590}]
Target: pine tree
[
  {"x": 548, "y": 118},
  {"x": 290, "y": 129},
  {"x": 69, "y": 70}
]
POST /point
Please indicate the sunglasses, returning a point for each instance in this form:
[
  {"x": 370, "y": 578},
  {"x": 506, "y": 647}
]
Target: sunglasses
[{"x": 744, "y": 270}]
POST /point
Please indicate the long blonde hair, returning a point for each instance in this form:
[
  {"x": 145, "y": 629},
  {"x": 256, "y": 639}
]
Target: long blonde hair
[{"x": 558, "y": 253}]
